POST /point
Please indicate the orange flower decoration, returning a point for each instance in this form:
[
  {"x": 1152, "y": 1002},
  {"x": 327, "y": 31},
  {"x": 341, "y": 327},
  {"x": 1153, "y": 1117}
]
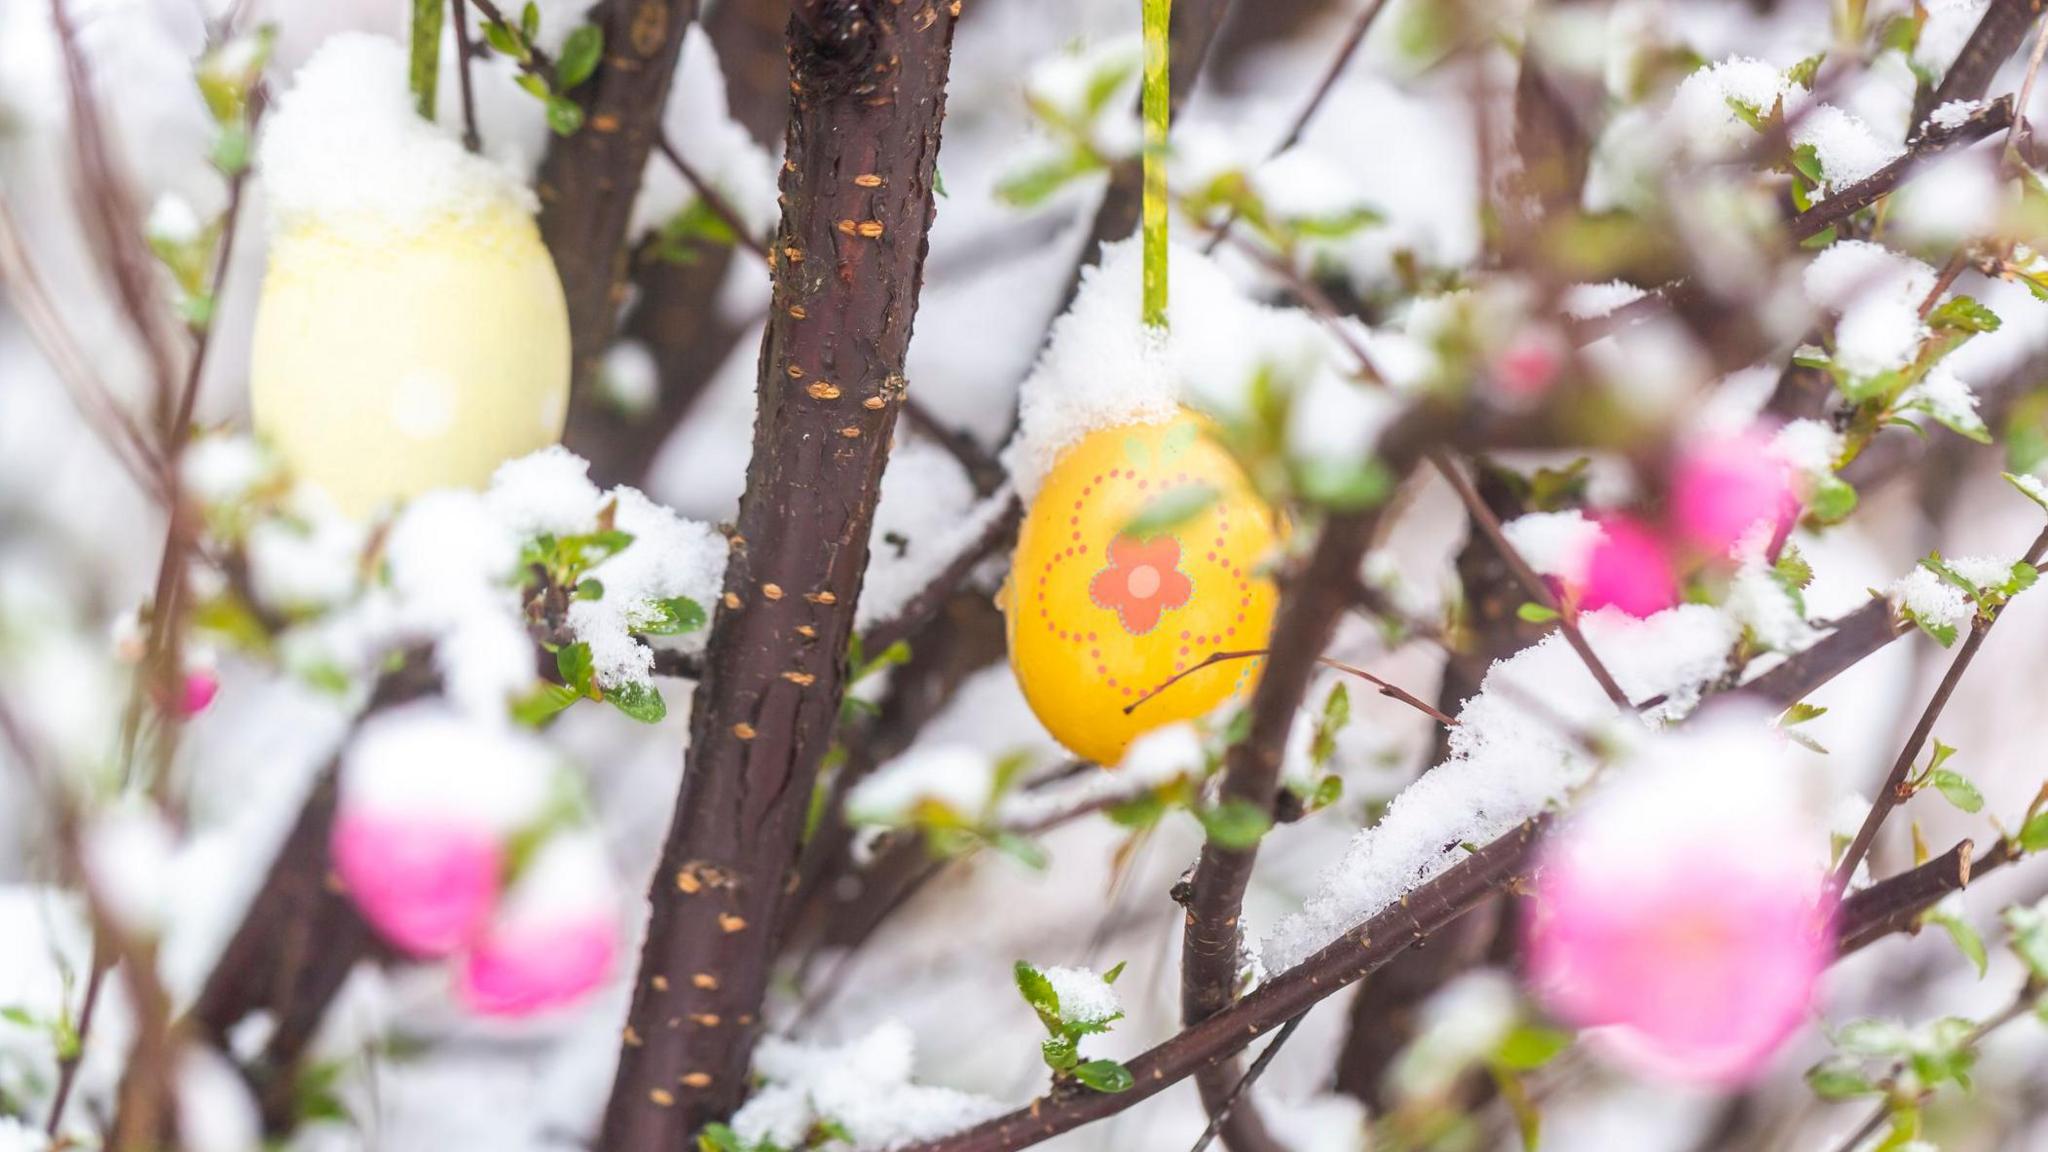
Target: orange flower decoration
[{"x": 1143, "y": 579}]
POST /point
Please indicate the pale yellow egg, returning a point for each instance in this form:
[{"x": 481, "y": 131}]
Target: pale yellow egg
[
  {"x": 1098, "y": 617},
  {"x": 389, "y": 363}
]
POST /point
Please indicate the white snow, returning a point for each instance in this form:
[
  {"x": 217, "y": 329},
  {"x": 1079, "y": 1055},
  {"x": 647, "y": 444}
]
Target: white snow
[
  {"x": 1878, "y": 294},
  {"x": 864, "y": 1086},
  {"x": 630, "y": 377},
  {"x": 127, "y": 853},
  {"x": 1700, "y": 107},
  {"x": 926, "y": 517},
  {"x": 1809, "y": 446},
  {"x": 1509, "y": 762},
  {"x": 953, "y": 776},
  {"x": 1982, "y": 571},
  {"x": 1063, "y": 84},
  {"x": 1946, "y": 396},
  {"x": 427, "y": 760},
  {"x": 1758, "y": 602},
  {"x": 1948, "y": 27},
  {"x": 222, "y": 469},
  {"x": 1102, "y": 369},
  {"x": 1555, "y": 543},
  {"x": 1953, "y": 113},
  {"x": 548, "y": 492},
  {"x": 344, "y": 150},
  {"x": 1932, "y": 601},
  {"x": 1591, "y": 301},
  {"x": 669, "y": 557},
  {"x": 1085, "y": 997},
  {"x": 1847, "y": 149}
]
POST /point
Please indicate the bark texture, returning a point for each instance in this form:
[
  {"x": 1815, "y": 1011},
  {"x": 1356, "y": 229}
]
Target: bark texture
[
  {"x": 589, "y": 180},
  {"x": 677, "y": 316},
  {"x": 867, "y": 91}
]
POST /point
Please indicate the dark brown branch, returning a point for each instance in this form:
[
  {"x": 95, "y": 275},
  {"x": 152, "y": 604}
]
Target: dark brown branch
[
  {"x": 1896, "y": 903},
  {"x": 1313, "y": 602},
  {"x": 1846, "y": 202},
  {"x": 1850, "y": 639},
  {"x": 925, "y": 604},
  {"x": 2000, "y": 31},
  {"x": 465, "y": 55},
  {"x": 1567, "y": 621},
  {"x": 589, "y": 180},
  {"x": 868, "y": 95},
  {"x": 1210, "y": 1043},
  {"x": 1896, "y": 790}
]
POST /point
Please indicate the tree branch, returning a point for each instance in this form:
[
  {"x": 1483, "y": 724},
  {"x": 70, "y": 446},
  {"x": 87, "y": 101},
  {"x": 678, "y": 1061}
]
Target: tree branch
[
  {"x": 1846, "y": 202},
  {"x": 1895, "y": 792},
  {"x": 589, "y": 180},
  {"x": 1306, "y": 620},
  {"x": 1206, "y": 1045},
  {"x": 1850, "y": 639},
  {"x": 868, "y": 94},
  {"x": 2000, "y": 31}
]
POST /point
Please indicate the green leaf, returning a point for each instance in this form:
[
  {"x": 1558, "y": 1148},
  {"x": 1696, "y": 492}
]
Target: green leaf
[
  {"x": 1965, "y": 937},
  {"x": 1839, "y": 1079},
  {"x": 2029, "y": 939},
  {"x": 1530, "y": 1046},
  {"x": 1038, "y": 992},
  {"x": 640, "y": 701},
  {"x": 529, "y": 20},
  {"x": 1800, "y": 713},
  {"x": 1172, "y": 509},
  {"x": 719, "y": 1138},
  {"x": 1104, "y": 1076},
  {"x": 504, "y": 39},
  {"x": 1803, "y": 72},
  {"x": 1959, "y": 791},
  {"x": 673, "y": 617},
  {"x": 1022, "y": 849},
  {"x": 579, "y": 56},
  {"x": 2029, "y": 486},
  {"x": 1343, "y": 485},
  {"x": 426, "y": 53},
  {"x": 565, "y": 116},
  {"x": 1963, "y": 314},
  {"x": 589, "y": 590},
  {"x": 15, "y": 1014},
  {"x": 1032, "y": 186},
  {"x": 1234, "y": 825},
  {"x": 2033, "y": 835},
  {"x": 1329, "y": 790},
  {"x": 1110, "y": 976},
  {"x": 1060, "y": 1051},
  {"x": 1833, "y": 500},
  {"x": 545, "y": 701},
  {"x": 1533, "y": 613},
  {"x": 574, "y": 663}
]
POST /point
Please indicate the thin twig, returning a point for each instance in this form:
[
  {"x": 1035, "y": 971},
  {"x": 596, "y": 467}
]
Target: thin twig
[
  {"x": 1894, "y": 792},
  {"x": 1360, "y": 25},
  {"x": 2019, "y": 126},
  {"x": 1245, "y": 1082},
  {"x": 1567, "y": 618},
  {"x": 1386, "y": 687},
  {"x": 465, "y": 53}
]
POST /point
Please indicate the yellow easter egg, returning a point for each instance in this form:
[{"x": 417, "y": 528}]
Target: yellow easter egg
[
  {"x": 387, "y": 364},
  {"x": 1098, "y": 618}
]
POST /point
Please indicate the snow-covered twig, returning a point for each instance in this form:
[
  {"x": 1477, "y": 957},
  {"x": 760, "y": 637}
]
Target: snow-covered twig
[{"x": 1890, "y": 795}]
